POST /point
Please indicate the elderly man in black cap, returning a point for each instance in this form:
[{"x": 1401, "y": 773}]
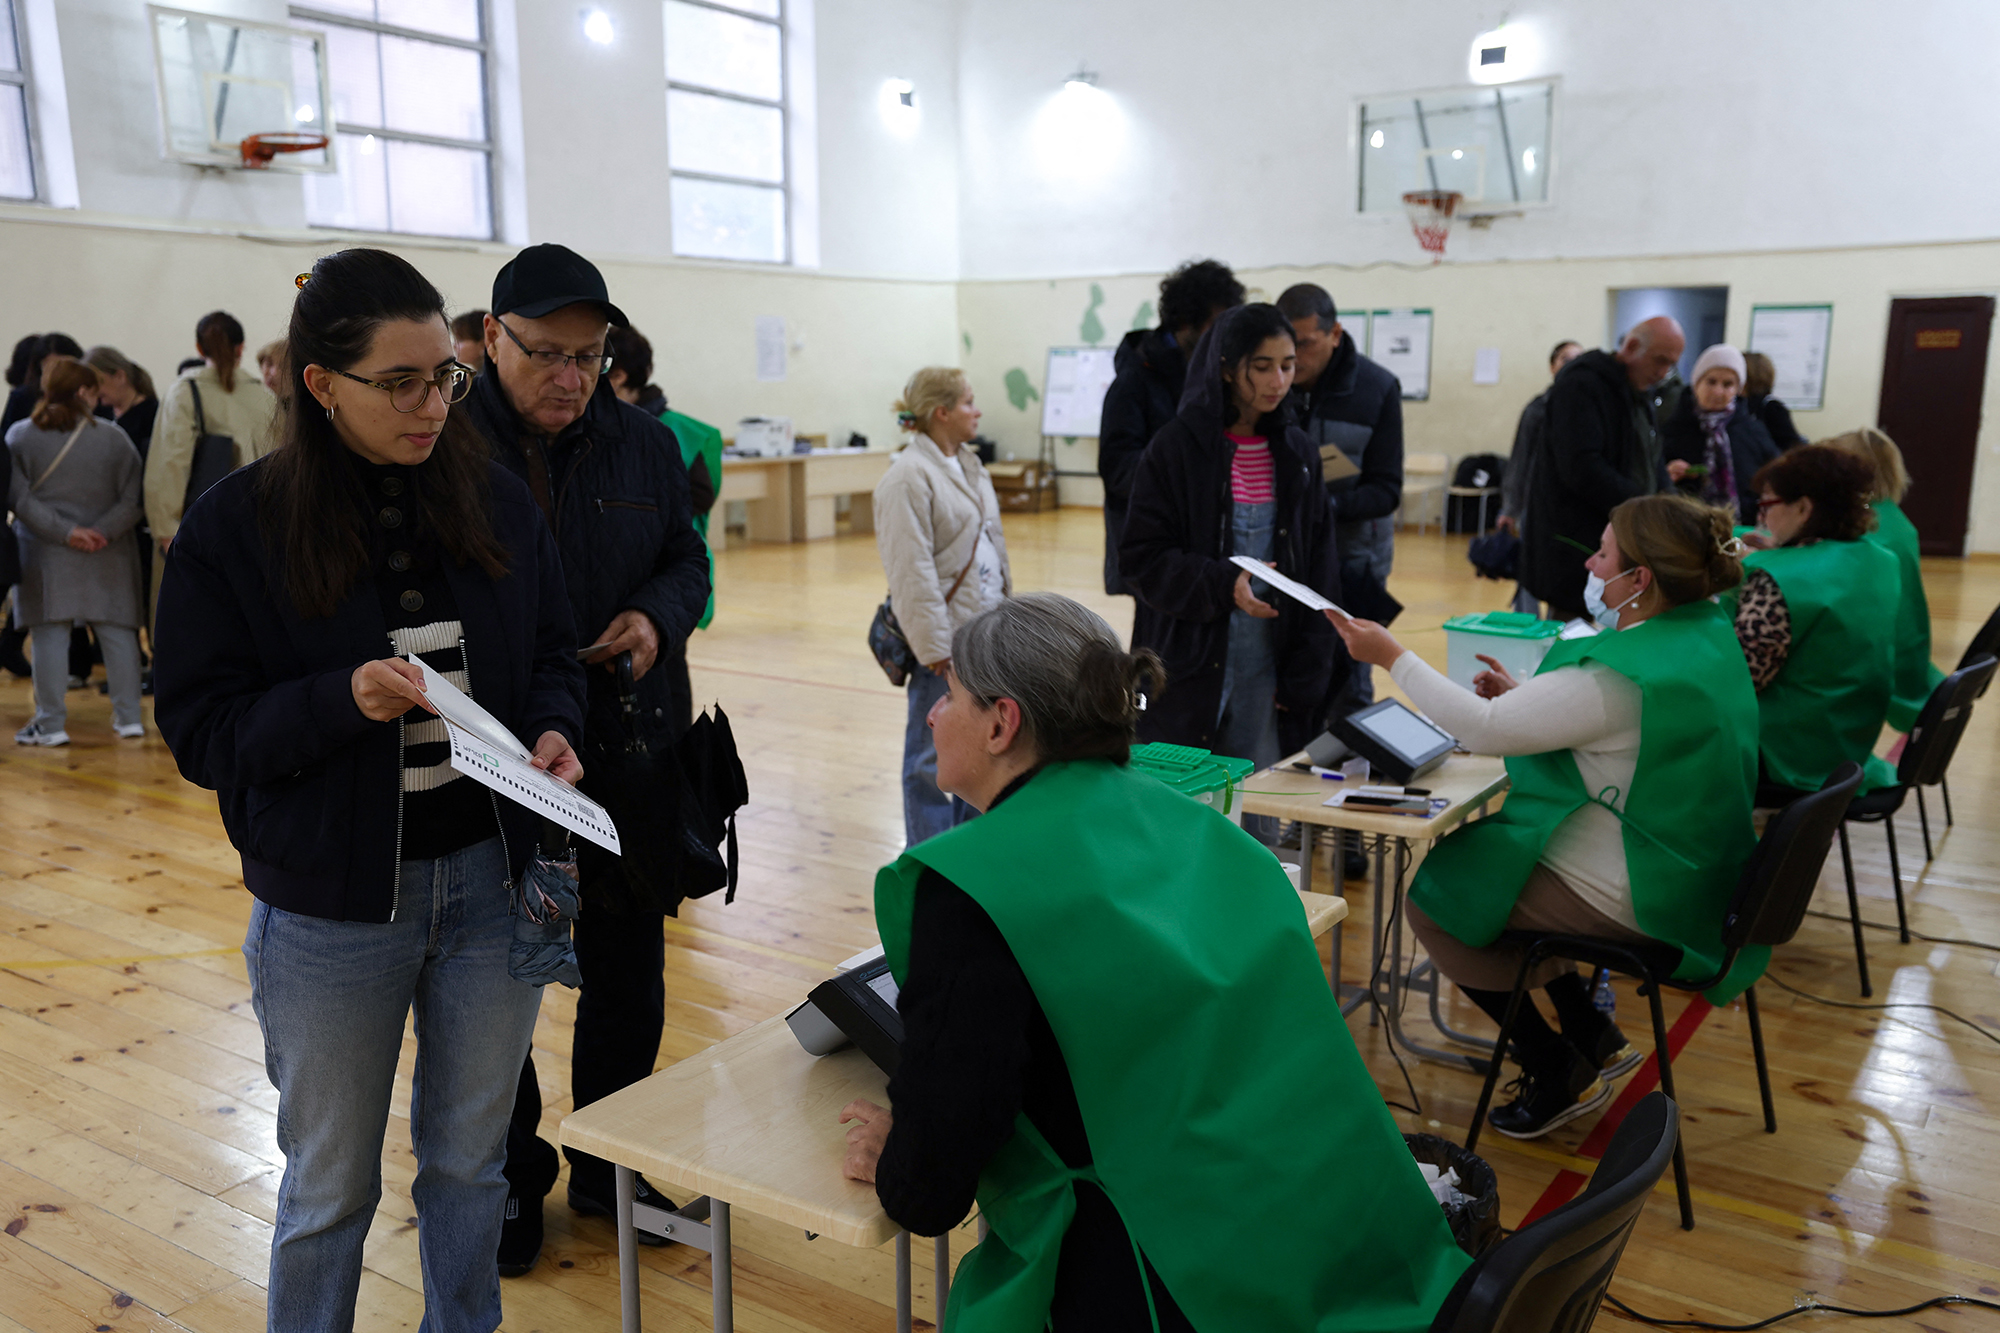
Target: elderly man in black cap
[{"x": 610, "y": 480}]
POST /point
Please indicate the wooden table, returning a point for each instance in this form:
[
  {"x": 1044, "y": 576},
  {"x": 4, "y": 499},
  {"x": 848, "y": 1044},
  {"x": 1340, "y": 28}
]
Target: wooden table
[
  {"x": 1470, "y": 783},
  {"x": 754, "y": 1121},
  {"x": 794, "y": 497}
]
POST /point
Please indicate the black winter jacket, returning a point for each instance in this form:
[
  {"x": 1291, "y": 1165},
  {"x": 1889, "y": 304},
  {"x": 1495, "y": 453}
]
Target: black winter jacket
[
  {"x": 625, "y": 529},
  {"x": 1145, "y": 395},
  {"x": 257, "y": 703},
  {"x": 1175, "y": 555},
  {"x": 1776, "y": 419},
  {"x": 1357, "y": 406},
  {"x": 1592, "y": 458},
  {"x": 1750, "y": 447}
]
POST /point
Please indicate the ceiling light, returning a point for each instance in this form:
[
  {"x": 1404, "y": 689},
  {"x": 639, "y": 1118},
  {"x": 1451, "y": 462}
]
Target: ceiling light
[
  {"x": 1085, "y": 79},
  {"x": 597, "y": 27},
  {"x": 1375, "y": 139}
]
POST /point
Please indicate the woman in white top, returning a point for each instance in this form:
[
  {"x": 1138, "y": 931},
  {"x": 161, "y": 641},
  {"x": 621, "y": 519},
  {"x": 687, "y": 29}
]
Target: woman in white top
[
  {"x": 217, "y": 395},
  {"x": 1632, "y": 757},
  {"x": 937, "y": 526}
]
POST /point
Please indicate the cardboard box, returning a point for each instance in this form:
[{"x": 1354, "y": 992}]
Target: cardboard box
[
  {"x": 1017, "y": 476},
  {"x": 1027, "y": 500}
]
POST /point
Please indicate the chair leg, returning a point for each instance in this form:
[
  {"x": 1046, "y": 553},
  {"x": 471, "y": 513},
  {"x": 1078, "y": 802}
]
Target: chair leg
[
  {"x": 1499, "y": 1050},
  {"x": 1854, "y": 913},
  {"x": 1896, "y": 878},
  {"x": 1944, "y": 788},
  {"x": 1665, "y": 1057},
  {"x": 1763, "y": 1070},
  {"x": 1924, "y": 818}
]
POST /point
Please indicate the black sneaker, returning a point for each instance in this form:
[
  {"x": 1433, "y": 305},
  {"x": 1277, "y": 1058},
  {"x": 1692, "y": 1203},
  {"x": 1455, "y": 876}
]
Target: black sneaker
[
  {"x": 1614, "y": 1056},
  {"x": 590, "y": 1207},
  {"x": 520, "y": 1235},
  {"x": 1544, "y": 1101}
]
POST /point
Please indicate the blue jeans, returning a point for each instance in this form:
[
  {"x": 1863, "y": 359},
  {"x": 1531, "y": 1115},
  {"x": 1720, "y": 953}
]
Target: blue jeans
[
  {"x": 1247, "y": 726},
  {"x": 331, "y": 997},
  {"x": 927, "y": 811}
]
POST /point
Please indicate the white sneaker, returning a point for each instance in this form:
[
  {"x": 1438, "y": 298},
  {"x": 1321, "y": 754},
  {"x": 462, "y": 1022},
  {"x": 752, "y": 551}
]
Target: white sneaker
[
  {"x": 33, "y": 735},
  {"x": 131, "y": 731}
]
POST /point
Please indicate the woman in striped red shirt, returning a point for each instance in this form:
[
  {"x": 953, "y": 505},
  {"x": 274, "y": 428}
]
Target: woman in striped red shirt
[{"x": 1232, "y": 475}]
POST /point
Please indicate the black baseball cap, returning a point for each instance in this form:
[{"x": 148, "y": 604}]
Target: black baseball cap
[{"x": 544, "y": 278}]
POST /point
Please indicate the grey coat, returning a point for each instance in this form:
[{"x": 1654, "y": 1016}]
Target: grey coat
[{"x": 96, "y": 486}]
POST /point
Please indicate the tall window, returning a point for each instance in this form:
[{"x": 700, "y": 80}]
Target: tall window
[
  {"x": 17, "y": 157},
  {"x": 727, "y": 132},
  {"x": 410, "y": 112}
]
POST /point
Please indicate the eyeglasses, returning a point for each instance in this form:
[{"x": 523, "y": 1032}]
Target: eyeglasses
[
  {"x": 1767, "y": 502},
  {"x": 588, "y": 363},
  {"x": 409, "y": 392}
]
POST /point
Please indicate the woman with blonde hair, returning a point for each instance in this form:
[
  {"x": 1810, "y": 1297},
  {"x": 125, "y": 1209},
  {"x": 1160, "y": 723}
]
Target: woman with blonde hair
[
  {"x": 1916, "y": 674},
  {"x": 937, "y": 526},
  {"x": 74, "y": 490},
  {"x": 1760, "y": 376}
]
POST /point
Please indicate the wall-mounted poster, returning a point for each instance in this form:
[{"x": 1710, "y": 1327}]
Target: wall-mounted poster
[
  {"x": 1400, "y": 342},
  {"x": 1795, "y": 337}
]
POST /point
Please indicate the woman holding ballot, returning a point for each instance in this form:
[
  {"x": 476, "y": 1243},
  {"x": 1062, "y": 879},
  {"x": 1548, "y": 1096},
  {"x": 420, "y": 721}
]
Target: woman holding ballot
[
  {"x": 1632, "y": 756},
  {"x": 1916, "y": 674},
  {"x": 1113, "y": 1012},
  {"x": 296, "y": 591},
  {"x": 1818, "y": 617}
]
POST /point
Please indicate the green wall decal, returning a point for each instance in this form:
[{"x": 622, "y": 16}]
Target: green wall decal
[
  {"x": 968, "y": 342},
  {"x": 1019, "y": 391},
  {"x": 1142, "y": 318},
  {"x": 1092, "y": 331}
]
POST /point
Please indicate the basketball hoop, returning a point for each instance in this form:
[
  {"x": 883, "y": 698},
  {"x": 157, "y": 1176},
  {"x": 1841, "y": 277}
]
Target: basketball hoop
[
  {"x": 1430, "y": 217},
  {"x": 259, "y": 149}
]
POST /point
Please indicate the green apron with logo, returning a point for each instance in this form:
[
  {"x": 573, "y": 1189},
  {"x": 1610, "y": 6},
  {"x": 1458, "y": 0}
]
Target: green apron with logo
[
  {"x": 1231, "y": 1120},
  {"x": 700, "y": 440},
  {"x": 1686, "y": 820},
  {"x": 1916, "y": 675},
  {"x": 1827, "y": 704}
]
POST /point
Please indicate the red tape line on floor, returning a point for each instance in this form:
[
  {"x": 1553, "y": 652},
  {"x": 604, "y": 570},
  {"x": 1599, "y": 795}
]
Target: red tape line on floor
[{"x": 1644, "y": 1079}]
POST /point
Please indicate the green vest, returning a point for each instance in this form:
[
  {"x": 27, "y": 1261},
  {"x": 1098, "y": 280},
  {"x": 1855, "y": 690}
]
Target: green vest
[
  {"x": 700, "y": 440},
  {"x": 1687, "y": 821},
  {"x": 1916, "y": 676},
  {"x": 1216, "y": 1076},
  {"x": 1829, "y": 699}
]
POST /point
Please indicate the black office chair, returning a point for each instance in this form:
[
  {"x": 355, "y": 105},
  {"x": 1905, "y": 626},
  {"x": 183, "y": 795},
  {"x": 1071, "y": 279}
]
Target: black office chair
[
  {"x": 1986, "y": 643},
  {"x": 1549, "y": 1277},
  {"x": 1769, "y": 903},
  {"x": 1933, "y": 740}
]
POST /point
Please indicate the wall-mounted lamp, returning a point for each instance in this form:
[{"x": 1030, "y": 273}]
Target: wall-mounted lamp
[
  {"x": 898, "y": 105},
  {"x": 1084, "y": 80},
  {"x": 1081, "y": 130},
  {"x": 597, "y": 27},
  {"x": 1510, "y": 51}
]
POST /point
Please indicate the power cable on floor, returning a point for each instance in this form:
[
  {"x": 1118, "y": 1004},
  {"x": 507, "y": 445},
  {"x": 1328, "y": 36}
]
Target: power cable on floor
[
  {"x": 1807, "y": 1304},
  {"x": 1915, "y": 934},
  {"x": 1893, "y": 1004}
]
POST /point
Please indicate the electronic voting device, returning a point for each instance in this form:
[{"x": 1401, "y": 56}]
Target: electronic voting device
[
  {"x": 1396, "y": 742},
  {"x": 857, "y": 1007}
]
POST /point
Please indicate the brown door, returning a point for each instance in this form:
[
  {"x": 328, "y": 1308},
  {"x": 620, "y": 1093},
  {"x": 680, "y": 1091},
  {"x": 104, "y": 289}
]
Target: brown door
[{"x": 1933, "y": 379}]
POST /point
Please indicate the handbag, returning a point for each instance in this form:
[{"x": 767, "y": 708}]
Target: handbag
[
  {"x": 885, "y": 636},
  {"x": 214, "y": 455}
]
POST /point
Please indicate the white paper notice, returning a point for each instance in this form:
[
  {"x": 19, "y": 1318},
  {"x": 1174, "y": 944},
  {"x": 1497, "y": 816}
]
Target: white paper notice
[
  {"x": 1486, "y": 366},
  {"x": 484, "y": 750},
  {"x": 1292, "y": 588},
  {"x": 1073, "y": 390},
  {"x": 1400, "y": 342},
  {"x": 1795, "y": 337},
  {"x": 770, "y": 347}
]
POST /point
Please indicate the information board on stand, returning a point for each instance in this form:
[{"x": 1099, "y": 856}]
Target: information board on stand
[{"x": 1073, "y": 390}]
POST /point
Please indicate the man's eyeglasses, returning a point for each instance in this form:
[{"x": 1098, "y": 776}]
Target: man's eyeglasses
[
  {"x": 589, "y": 363},
  {"x": 407, "y": 393}
]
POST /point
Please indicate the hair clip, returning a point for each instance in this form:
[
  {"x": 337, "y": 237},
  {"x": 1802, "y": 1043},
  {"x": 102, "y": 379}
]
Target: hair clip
[
  {"x": 1735, "y": 546},
  {"x": 907, "y": 420},
  {"x": 301, "y": 280}
]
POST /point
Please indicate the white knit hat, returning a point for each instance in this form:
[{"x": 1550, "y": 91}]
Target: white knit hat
[{"x": 1724, "y": 356}]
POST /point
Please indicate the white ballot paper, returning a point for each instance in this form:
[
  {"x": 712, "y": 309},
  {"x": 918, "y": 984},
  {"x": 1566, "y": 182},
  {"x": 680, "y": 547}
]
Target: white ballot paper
[
  {"x": 485, "y": 751},
  {"x": 1293, "y": 589}
]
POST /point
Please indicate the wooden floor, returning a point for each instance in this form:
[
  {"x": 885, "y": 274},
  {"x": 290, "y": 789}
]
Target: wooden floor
[{"x": 137, "y": 1160}]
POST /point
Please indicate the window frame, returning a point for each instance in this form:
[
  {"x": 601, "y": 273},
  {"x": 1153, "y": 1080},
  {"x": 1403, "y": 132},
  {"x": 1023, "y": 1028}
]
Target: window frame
[
  {"x": 482, "y": 45},
  {"x": 785, "y": 182},
  {"x": 24, "y": 79}
]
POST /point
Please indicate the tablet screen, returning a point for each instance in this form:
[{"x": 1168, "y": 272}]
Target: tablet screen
[{"x": 1403, "y": 731}]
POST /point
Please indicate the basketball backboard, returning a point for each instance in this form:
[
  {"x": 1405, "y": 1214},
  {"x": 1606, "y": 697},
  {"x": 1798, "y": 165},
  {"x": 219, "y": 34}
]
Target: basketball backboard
[
  {"x": 224, "y": 79},
  {"x": 1495, "y": 146}
]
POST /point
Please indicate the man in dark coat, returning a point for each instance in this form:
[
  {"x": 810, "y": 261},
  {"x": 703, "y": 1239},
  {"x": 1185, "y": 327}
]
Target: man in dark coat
[
  {"x": 1600, "y": 447},
  {"x": 610, "y": 483},
  {"x": 1351, "y": 406},
  {"x": 1151, "y": 366},
  {"x": 1521, "y": 464}
]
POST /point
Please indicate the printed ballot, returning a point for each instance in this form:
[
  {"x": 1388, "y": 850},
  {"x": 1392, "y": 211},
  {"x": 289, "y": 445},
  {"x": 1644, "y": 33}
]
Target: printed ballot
[
  {"x": 1292, "y": 588},
  {"x": 485, "y": 751}
]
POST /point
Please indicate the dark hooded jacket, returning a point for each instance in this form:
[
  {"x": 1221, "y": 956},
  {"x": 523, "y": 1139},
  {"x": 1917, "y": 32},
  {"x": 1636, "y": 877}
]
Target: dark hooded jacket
[
  {"x": 1357, "y": 406},
  {"x": 1593, "y": 458},
  {"x": 1144, "y": 396},
  {"x": 1175, "y": 558},
  {"x": 1750, "y": 447}
]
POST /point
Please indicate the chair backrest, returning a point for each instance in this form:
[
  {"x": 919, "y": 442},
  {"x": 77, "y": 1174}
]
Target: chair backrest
[
  {"x": 1426, "y": 467},
  {"x": 1550, "y": 1277},
  {"x": 1986, "y": 643},
  {"x": 1934, "y": 737},
  {"x": 1778, "y": 881}
]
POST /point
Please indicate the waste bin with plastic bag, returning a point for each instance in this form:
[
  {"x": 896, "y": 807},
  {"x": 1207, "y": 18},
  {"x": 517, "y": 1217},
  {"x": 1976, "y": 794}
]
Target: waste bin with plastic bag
[{"x": 1466, "y": 1189}]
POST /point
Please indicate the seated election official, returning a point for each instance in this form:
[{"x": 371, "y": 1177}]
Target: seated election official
[
  {"x": 1916, "y": 674},
  {"x": 1632, "y": 757},
  {"x": 1113, "y": 1015},
  {"x": 1817, "y": 617},
  {"x": 296, "y": 590}
]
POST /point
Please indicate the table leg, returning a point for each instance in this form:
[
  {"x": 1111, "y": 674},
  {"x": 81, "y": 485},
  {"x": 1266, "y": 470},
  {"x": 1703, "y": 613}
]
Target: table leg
[
  {"x": 941, "y": 1257},
  {"x": 721, "y": 1278},
  {"x": 1399, "y": 985},
  {"x": 1376, "y": 944},
  {"x": 902, "y": 1282},
  {"x": 1306, "y": 856},
  {"x": 625, "y": 1187}
]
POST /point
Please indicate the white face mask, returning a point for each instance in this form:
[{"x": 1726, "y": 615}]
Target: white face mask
[{"x": 1593, "y": 601}]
